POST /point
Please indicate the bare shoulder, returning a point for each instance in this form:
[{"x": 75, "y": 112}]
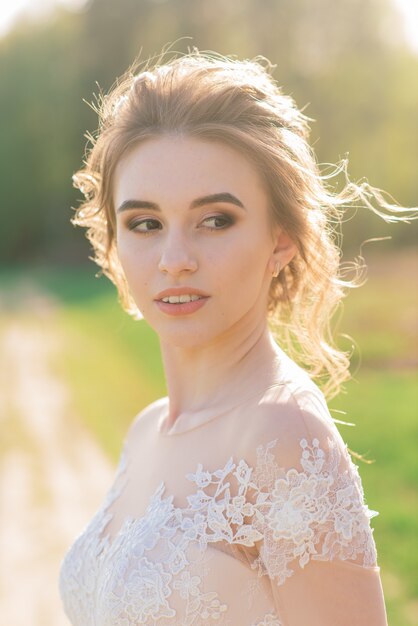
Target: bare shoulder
[
  {"x": 294, "y": 413},
  {"x": 148, "y": 414}
]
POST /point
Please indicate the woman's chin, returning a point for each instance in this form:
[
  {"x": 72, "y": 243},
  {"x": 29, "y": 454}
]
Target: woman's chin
[{"x": 187, "y": 336}]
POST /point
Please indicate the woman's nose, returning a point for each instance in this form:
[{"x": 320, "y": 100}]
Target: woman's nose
[{"x": 177, "y": 256}]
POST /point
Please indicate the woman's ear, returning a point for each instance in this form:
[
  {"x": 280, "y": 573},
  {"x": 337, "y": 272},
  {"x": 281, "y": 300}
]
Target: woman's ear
[{"x": 284, "y": 250}]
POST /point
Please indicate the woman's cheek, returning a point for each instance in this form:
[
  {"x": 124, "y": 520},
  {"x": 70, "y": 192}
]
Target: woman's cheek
[
  {"x": 130, "y": 256},
  {"x": 130, "y": 266}
]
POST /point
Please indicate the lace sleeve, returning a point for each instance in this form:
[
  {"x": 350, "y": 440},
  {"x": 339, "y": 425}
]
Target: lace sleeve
[
  {"x": 315, "y": 511},
  {"x": 317, "y": 545}
]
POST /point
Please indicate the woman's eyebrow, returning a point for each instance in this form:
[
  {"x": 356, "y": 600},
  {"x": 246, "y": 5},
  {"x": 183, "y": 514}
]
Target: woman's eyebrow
[{"x": 215, "y": 197}]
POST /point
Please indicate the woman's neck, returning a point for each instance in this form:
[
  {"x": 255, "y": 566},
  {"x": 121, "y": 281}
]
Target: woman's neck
[{"x": 218, "y": 376}]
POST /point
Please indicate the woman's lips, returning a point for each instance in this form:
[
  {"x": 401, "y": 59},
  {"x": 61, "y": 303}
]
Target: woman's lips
[
  {"x": 180, "y": 291},
  {"x": 181, "y": 308}
]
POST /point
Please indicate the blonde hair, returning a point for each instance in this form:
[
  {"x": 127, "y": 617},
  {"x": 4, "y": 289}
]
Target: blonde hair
[{"x": 219, "y": 98}]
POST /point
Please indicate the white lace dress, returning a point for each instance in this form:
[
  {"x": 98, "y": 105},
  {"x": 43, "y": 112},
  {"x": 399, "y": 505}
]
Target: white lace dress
[{"x": 255, "y": 517}]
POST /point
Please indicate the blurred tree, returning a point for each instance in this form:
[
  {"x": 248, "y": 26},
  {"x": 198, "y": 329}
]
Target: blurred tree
[{"x": 40, "y": 99}]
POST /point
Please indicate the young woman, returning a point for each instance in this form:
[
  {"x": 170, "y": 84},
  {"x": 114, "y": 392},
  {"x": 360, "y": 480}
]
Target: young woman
[{"x": 236, "y": 501}]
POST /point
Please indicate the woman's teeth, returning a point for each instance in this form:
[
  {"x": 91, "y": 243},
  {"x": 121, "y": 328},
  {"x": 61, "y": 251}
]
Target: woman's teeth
[{"x": 179, "y": 299}]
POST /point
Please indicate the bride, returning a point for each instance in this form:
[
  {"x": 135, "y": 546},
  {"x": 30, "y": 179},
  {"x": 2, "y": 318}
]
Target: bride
[{"x": 236, "y": 500}]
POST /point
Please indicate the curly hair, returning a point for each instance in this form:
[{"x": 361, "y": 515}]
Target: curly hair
[{"x": 237, "y": 102}]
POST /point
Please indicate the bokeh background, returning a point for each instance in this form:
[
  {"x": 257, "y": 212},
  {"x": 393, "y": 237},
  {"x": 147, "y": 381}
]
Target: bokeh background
[{"x": 75, "y": 369}]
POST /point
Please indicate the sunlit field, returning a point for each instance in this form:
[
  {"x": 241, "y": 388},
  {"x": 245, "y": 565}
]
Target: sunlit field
[{"x": 110, "y": 367}]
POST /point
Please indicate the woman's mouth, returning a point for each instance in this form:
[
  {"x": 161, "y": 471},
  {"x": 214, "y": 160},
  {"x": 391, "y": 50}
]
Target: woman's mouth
[
  {"x": 181, "y": 305},
  {"x": 182, "y": 298}
]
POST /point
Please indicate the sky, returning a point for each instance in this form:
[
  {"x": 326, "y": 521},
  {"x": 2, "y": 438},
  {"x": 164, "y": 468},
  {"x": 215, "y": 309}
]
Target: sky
[
  {"x": 409, "y": 11},
  {"x": 10, "y": 10}
]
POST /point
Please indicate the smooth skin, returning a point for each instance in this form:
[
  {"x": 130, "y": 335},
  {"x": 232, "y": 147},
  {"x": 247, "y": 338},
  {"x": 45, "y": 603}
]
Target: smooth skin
[{"x": 215, "y": 355}]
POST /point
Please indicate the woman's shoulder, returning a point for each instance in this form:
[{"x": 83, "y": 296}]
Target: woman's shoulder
[
  {"x": 147, "y": 417},
  {"x": 298, "y": 401},
  {"x": 288, "y": 416}
]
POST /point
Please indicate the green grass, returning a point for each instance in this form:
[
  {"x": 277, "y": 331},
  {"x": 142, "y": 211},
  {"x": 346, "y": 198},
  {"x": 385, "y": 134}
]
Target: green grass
[
  {"x": 381, "y": 316},
  {"x": 113, "y": 367}
]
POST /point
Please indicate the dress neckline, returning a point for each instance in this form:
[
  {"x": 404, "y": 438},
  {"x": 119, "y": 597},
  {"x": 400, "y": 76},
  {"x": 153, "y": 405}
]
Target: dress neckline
[{"x": 187, "y": 422}]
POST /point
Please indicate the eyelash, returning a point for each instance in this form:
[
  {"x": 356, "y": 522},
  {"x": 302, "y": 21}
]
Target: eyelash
[{"x": 229, "y": 221}]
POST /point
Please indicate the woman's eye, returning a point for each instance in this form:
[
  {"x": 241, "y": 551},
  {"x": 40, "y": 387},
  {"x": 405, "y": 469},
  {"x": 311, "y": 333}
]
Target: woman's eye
[
  {"x": 148, "y": 225},
  {"x": 225, "y": 220},
  {"x": 135, "y": 225}
]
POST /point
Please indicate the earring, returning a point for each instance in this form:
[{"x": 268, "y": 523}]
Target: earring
[{"x": 276, "y": 269}]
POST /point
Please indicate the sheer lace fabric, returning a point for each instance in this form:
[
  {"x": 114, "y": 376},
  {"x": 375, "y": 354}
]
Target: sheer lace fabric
[{"x": 196, "y": 530}]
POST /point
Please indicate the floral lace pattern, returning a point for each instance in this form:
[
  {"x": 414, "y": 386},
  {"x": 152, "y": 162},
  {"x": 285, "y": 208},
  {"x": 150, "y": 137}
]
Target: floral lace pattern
[
  {"x": 158, "y": 562},
  {"x": 317, "y": 514}
]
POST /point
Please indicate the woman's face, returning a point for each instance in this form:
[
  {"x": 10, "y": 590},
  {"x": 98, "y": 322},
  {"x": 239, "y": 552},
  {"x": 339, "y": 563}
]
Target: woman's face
[{"x": 193, "y": 214}]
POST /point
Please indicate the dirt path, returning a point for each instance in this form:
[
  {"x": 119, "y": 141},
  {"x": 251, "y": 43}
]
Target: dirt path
[{"x": 53, "y": 475}]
